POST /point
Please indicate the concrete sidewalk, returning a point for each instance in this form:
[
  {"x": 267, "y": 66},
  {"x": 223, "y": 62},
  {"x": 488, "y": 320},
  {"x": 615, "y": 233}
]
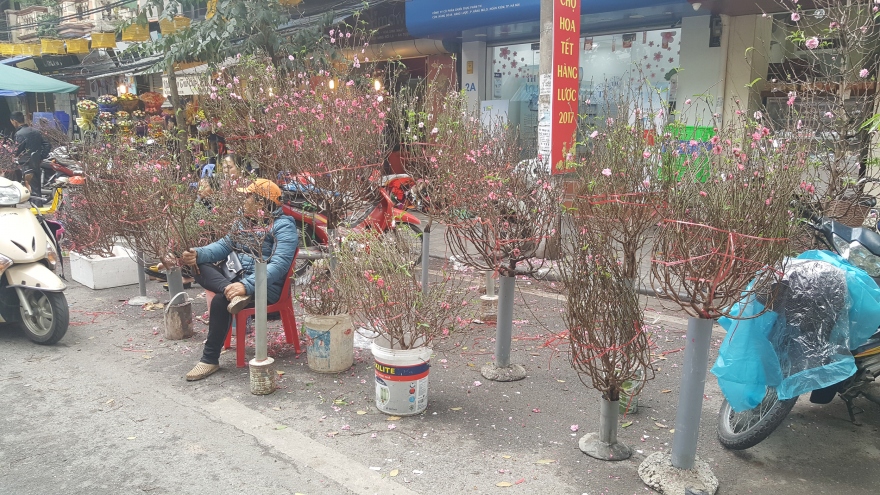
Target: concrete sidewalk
[{"x": 107, "y": 411}]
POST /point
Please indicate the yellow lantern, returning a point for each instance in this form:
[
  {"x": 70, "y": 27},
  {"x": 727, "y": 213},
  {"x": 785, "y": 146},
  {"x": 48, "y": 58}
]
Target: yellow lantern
[
  {"x": 103, "y": 40},
  {"x": 135, "y": 32},
  {"x": 7, "y": 49},
  {"x": 80, "y": 45},
  {"x": 52, "y": 47},
  {"x": 181, "y": 22}
]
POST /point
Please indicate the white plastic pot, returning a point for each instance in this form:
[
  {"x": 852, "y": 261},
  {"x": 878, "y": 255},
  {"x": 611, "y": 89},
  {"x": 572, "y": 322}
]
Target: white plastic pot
[
  {"x": 330, "y": 341},
  {"x": 401, "y": 378}
]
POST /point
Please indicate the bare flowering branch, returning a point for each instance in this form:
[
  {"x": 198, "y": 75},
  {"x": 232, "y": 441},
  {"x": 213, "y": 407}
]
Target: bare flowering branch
[
  {"x": 822, "y": 91},
  {"x": 502, "y": 212},
  {"x": 384, "y": 292},
  {"x": 427, "y": 122},
  {"x": 621, "y": 175},
  {"x": 727, "y": 217},
  {"x": 320, "y": 129},
  {"x": 135, "y": 192},
  {"x": 604, "y": 316}
]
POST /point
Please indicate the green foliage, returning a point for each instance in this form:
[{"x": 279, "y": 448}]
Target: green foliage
[
  {"x": 237, "y": 27},
  {"x": 48, "y": 26}
]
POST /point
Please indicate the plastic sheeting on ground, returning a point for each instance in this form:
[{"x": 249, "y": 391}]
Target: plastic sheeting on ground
[{"x": 824, "y": 308}]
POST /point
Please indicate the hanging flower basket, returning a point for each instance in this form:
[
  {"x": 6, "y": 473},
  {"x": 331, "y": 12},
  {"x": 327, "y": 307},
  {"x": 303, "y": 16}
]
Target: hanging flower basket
[
  {"x": 87, "y": 109},
  {"x": 128, "y": 101},
  {"x": 124, "y": 126},
  {"x": 152, "y": 103},
  {"x": 108, "y": 103},
  {"x": 140, "y": 128}
]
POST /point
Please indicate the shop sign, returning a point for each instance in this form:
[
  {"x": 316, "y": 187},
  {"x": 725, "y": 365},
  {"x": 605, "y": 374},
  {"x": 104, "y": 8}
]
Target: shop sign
[
  {"x": 426, "y": 18},
  {"x": 565, "y": 80},
  {"x": 83, "y": 86},
  {"x": 186, "y": 85},
  {"x": 48, "y": 64},
  {"x": 430, "y": 17}
]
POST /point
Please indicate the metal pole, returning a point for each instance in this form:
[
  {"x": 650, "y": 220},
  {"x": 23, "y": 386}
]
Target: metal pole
[
  {"x": 175, "y": 281},
  {"x": 426, "y": 252},
  {"x": 608, "y": 421},
  {"x": 331, "y": 246},
  {"x": 504, "y": 334},
  {"x": 690, "y": 399},
  {"x": 142, "y": 285},
  {"x": 490, "y": 284},
  {"x": 260, "y": 303},
  {"x": 142, "y": 277},
  {"x": 545, "y": 71}
]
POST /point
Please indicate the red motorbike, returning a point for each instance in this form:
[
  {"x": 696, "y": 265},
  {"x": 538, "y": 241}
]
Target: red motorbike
[
  {"x": 380, "y": 216},
  {"x": 59, "y": 167}
]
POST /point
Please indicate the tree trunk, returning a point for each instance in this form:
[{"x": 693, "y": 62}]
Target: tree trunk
[{"x": 180, "y": 133}]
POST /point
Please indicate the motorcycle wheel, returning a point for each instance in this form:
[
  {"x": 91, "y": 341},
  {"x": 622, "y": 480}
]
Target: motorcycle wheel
[
  {"x": 743, "y": 430},
  {"x": 51, "y": 316},
  {"x": 410, "y": 234}
]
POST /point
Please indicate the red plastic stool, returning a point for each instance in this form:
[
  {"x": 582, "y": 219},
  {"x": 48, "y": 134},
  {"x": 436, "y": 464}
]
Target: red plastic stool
[{"x": 288, "y": 320}]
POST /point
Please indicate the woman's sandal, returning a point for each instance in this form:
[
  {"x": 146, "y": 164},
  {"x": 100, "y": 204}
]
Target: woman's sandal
[{"x": 202, "y": 370}]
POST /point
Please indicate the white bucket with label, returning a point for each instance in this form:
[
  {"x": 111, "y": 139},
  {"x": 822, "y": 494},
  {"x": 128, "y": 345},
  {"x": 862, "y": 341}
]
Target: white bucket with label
[
  {"x": 329, "y": 342},
  {"x": 401, "y": 378}
]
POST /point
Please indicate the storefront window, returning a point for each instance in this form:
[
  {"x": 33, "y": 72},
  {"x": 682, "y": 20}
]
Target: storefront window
[
  {"x": 644, "y": 61},
  {"x": 606, "y": 62},
  {"x": 514, "y": 87}
]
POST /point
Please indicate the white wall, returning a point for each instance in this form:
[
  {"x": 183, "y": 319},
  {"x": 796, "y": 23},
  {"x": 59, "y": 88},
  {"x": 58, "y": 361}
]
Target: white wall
[
  {"x": 474, "y": 83},
  {"x": 703, "y": 69},
  {"x": 747, "y": 60}
]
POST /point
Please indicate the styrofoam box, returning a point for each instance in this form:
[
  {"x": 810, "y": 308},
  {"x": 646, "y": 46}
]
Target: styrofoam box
[{"x": 102, "y": 273}]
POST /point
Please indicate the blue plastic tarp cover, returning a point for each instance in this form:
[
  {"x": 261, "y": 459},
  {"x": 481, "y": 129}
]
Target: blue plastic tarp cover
[{"x": 824, "y": 308}]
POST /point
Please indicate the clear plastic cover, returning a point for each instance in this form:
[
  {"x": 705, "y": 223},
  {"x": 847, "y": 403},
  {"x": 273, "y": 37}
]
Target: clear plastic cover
[{"x": 823, "y": 308}]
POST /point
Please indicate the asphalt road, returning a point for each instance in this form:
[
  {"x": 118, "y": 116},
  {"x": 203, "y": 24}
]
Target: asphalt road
[{"x": 107, "y": 411}]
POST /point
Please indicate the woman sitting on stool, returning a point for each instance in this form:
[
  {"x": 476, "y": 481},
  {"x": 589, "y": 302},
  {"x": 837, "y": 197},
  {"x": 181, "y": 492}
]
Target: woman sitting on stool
[{"x": 278, "y": 246}]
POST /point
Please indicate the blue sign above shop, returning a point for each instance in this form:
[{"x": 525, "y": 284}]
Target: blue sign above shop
[{"x": 429, "y": 17}]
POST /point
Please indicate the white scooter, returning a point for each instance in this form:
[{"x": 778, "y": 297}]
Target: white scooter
[{"x": 30, "y": 291}]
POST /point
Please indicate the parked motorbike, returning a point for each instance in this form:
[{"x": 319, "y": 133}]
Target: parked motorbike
[
  {"x": 58, "y": 167},
  {"x": 811, "y": 305},
  {"x": 381, "y": 216},
  {"x": 30, "y": 291}
]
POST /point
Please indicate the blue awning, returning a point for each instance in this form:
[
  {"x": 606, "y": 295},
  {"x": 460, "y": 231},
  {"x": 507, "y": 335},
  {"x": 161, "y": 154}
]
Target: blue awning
[
  {"x": 425, "y": 18},
  {"x": 6, "y": 92}
]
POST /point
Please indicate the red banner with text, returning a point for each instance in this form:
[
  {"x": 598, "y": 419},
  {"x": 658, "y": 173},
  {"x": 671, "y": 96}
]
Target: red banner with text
[{"x": 565, "y": 80}]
